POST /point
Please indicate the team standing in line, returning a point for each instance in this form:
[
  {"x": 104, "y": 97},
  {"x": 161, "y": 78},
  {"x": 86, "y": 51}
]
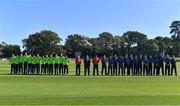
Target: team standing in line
[
  {"x": 114, "y": 65},
  {"x": 129, "y": 65},
  {"x": 27, "y": 64}
]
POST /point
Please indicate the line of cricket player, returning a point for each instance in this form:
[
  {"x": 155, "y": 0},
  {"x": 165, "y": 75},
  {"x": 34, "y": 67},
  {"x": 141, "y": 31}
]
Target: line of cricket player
[
  {"x": 113, "y": 65},
  {"x": 27, "y": 64},
  {"x": 129, "y": 65}
]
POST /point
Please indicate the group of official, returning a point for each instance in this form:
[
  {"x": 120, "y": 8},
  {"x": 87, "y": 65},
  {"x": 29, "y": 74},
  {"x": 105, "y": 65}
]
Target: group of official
[
  {"x": 49, "y": 64},
  {"x": 129, "y": 65}
]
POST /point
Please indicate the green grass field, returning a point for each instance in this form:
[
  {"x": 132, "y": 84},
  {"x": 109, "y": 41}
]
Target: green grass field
[{"x": 87, "y": 90}]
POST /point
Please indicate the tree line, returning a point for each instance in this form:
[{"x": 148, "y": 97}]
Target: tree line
[{"x": 49, "y": 42}]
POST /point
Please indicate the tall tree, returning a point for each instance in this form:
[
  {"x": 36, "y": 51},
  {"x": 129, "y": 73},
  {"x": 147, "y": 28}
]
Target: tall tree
[
  {"x": 76, "y": 42},
  {"x": 175, "y": 31},
  {"x": 8, "y": 49},
  {"x": 135, "y": 40},
  {"x": 164, "y": 44},
  {"x": 105, "y": 43},
  {"x": 118, "y": 45},
  {"x": 44, "y": 42},
  {"x": 150, "y": 45}
]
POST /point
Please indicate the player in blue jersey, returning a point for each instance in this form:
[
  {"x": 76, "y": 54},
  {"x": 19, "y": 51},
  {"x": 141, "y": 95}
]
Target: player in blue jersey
[
  {"x": 120, "y": 65},
  {"x": 126, "y": 65},
  {"x": 167, "y": 64},
  {"x": 150, "y": 65},
  {"x": 173, "y": 66},
  {"x": 161, "y": 64},
  {"x": 110, "y": 65},
  {"x": 145, "y": 66},
  {"x": 115, "y": 63},
  {"x": 156, "y": 66}
]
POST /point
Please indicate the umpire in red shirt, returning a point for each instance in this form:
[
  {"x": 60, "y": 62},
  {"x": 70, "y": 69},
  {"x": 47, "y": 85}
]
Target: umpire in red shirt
[
  {"x": 78, "y": 65},
  {"x": 95, "y": 62}
]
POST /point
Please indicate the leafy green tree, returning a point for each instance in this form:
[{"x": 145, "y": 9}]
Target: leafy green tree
[
  {"x": 76, "y": 42},
  {"x": 175, "y": 31},
  {"x": 164, "y": 44},
  {"x": 118, "y": 45},
  {"x": 44, "y": 42},
  {"x": 134, "y": 39},
  {"x": 105, "y": 43},
  {"x": 96, "y": 48},
  {"x": 8, "y": 50},
  {"x": 150, "y": 45}
]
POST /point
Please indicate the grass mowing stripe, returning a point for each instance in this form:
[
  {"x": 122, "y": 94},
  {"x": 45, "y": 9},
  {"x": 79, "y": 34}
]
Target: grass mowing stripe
[
  {"x": 60, "y": 97},
  {"x": 118, "y": 100}
]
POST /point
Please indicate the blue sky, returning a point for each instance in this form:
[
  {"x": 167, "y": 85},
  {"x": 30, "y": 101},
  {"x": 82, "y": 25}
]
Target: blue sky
[{"x": 19, "y": 18}]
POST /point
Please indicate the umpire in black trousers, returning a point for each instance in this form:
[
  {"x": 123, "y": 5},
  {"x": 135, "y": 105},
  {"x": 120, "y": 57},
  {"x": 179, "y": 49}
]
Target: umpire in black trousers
[
  {"x": 104, "y": 65},
  {"x": 87, "y": 62}
]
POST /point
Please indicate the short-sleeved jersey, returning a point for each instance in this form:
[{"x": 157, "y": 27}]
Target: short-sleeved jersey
[
  {"x": 46, "y": 59},
  {"x": 120, "y": 60},
  {"x": 66, "y": 61},
  {"x": 61, "y": 60},
  {"x": 12, "y": 60},
  {"x": 56, "y": 60},
  {"x": 126, "y": 61},
  {"x": 110, "y": 61},
  {"x": 42, "y": 59},
  {"x": 33, "y": 60},
  {"x": 21, "y": 59},
  {"x": 16, "y": 60},
  {"x": 25, "y": 58},
  {"x": 173, "y": 62},
  {"x": 50, "y": 60},
  {"x": 145, "y": 61},
  {"x": 167, "y": 61}
]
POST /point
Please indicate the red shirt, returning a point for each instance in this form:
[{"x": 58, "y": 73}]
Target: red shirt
[
  {"x": 78, "y": 61},
  {"x": 95, "y": 60}
]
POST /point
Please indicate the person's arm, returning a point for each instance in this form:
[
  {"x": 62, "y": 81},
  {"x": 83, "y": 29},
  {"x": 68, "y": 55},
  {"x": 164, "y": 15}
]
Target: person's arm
[{"x": 69, "y": 61}]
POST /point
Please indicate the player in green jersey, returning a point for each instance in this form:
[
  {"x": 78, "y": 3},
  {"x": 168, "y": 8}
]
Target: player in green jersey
[
  {"x": 46, "y": 64},
  {"x": 24, "y": 62},
  {"x": 20, "y": 67},
  {"x": 56, "y": 66},
  {"x": 33, "y": 64},
  {"x": 42, "y": 59},
  {"x": 66, "y": 63},
  {"x": 29, "y": 62},
  {"x": 11, "y": 61},
  {"x": 16, "y": 65},
  {"x": 60, "y": 62},
  {"x": 50, "y": 63},
  {"x": 37, "y": 64}
]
